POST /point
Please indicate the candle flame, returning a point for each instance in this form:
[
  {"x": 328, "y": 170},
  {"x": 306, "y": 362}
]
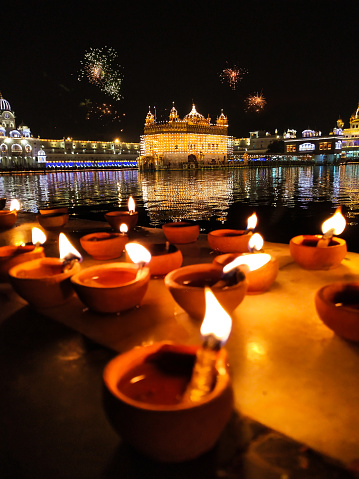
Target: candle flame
[
  {"x": 256, "y": 242},
  {"x": 14, "y": 205},
  {"x": 336, "y": 222},
  {"x": 253, "y": 261},
  {"x": 252, "y": 222},
  {"x": 123, "y": 228},
  {"x": 131, "y": 205},
  {"x": 138, "y": 253},
  {"x": 66, "y": 249},
  {"x": 217, "y": 321},
  {"x": 37, "y": 236}
]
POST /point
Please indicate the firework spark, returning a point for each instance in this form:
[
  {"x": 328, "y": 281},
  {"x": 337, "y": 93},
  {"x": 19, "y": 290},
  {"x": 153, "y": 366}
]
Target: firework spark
[
  {"x": 232, "y": 75},
  {"x": 100, "y": 68},
  {"x": 104, "y": 113},
  {"x": 255, "y": 102}
]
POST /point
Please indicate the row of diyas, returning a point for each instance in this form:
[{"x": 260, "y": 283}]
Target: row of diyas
[{"x": 187, "y": 422}]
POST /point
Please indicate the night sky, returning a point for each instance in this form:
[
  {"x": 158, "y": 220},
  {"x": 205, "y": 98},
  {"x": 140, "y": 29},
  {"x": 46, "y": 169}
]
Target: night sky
[{"x": 301, "y": 55}]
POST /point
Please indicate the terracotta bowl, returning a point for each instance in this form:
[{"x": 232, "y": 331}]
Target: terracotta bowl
[
  {"x": 229, "y": 241},
  {"x": 187, "y": 284},
  {"x": 7, "y": 218},
  {"x": 259, "y": 280},
  {"x": 104, "y": 245},
  {"x": 338, "y": 307},
  {"x": 42, "y": 282},
  {"x": 164, "y": 258},
  {"x": 305, "y": 252},
  {"x": 53, "y": 221},
  {"x": 181, "y": 232},
  {"x": 116, "y": 218},
  {"x": 172, "y": 432},
  {"x": 2, "y": 203},
  {"x": 112, "y": 287},
  {"x": 12, "y": 255},
  {"x": 51, "y": 211}
]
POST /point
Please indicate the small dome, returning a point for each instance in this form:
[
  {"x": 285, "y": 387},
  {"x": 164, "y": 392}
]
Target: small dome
[{"x": 4, "y": 104}]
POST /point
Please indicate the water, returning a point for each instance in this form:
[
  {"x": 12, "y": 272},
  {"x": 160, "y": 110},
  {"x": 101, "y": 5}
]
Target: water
[{"x": 288, "y": 200}]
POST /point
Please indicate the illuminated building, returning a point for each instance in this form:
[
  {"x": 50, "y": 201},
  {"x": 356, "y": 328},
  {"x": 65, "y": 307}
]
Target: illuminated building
[
  {"x": 314, "y": 146},
  {"x": 20, "y": 150},
  {"x": 351, "y": 137},
  {"x": 185, "y": 143}
]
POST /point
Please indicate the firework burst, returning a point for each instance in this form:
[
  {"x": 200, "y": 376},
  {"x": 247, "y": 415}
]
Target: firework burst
[
  {"x": 104, "y": 113},
  {"x": 255, "y": 102},
  {"x": 100, "y": 68},
  {"x": 232, "y": 75}
]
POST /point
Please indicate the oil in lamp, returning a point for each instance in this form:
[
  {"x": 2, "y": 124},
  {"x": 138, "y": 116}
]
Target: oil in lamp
[{"x": 316, "y": 252}]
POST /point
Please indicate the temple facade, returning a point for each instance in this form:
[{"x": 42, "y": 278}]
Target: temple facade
[
  {"x": 186, "y": 143},
  {"x": 351, "y": 137}
]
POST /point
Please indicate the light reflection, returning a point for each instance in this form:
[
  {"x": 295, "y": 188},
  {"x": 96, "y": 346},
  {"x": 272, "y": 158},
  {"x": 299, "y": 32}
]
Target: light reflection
[{"x": 256, "y": 351}]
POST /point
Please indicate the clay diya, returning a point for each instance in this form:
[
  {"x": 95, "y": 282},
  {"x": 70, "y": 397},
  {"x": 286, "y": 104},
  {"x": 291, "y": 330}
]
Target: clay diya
[
  {"x": 130, "y": 217},
  {"x": 165, "y": 257},
  {"x": 232, "y": 240},
  {"x": 142, "y": 400},
  {"x": 12, "y": 255},
  {"x": 45, "y": 282},
  {"x": 337, "y": 305},
  {"x": 181, "y": 232},
  {"x": 8, "y": 217},
  {"x": 103, "y": 245},
  {"x": 112, "y": 287},
  {"x": 187, "y": 285},
  {"x": 260, "y": 269},
  {"x": 53, "y": 221},
  {"x": 316, "y": 252}
]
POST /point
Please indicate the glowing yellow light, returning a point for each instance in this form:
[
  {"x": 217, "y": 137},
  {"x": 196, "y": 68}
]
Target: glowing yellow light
[
  {"x": 131, "y": 205},
  {"x": 123, "y": 228},
  {"x": 66, "y": 248},
  {"x": 37, "y": 236},
  {"x": 256, "y": 242},
  {"x": 138, "y": 253},
  {"x": 14, "y": 205},
  {"x": 336, "y": 223},
  {"x": 252, "y": 221},
  {"x": 217, "y": 321}
]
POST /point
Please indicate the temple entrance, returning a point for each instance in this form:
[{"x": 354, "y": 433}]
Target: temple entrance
[{"x": 192, "y": 159}]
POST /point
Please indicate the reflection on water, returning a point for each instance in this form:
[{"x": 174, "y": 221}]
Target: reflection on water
[{"x": 208, "y": 196}]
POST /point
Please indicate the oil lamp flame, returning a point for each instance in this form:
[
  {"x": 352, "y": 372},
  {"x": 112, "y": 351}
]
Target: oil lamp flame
[
  {"x": 138, "y": 253},
  {"x": 123, "y": 228},
  {"x": 14, "y": 205},
  {"x": 217, "y": 321},
  {"x": 252, "y": 261},
  {"x": 256, "y": 242},
  {"x": 336, "y": 223},
  {"x": 67, "y": 251},
  {"x": 252, "y": 222},
  {"x": 37, "y": 236},
  {"x": 131, "y": 205}
]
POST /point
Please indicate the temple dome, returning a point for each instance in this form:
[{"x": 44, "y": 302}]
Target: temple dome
[
  {"x": 193, "y": 115},
  {"x": 4, "y": 104}
]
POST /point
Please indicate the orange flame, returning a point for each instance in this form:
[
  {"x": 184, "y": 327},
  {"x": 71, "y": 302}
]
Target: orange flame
[
  {"x": 123, "y": 228},
  {"x": 256, "y": 242},
  {"x": 336, "y": 223},
  {"x": 14, "y": 205},
  {"x": 37, "y": 236},
  {"x": 66, "y": 248},
  {"x": 131, "y": 205},
  {"x": 217, "y": 321},
  {"x": 138, "y": 253},
  {"x": 252, "y": 222}
]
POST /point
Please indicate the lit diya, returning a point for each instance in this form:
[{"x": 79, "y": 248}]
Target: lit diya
[
  {"x": 130, "y": 217},
  {"x": 165, "y": 257},
  {"x": 337, "y": 305},
  {"x": 12, "y": 255},
  {"x": 260, "y": 269},
  {"x": 8, "y": 217},
  {"x": 115, "y": 287},
  {"x": 45, "y": 282},
  {"x": 104, "y": 245},
  {"x": 187, "y": 286},
  {"x": 231, "y": 240},
  {"x": 316, "y": 252},
  {"x": 171, "y": 402},
  {"x": 181, "y": 232}
]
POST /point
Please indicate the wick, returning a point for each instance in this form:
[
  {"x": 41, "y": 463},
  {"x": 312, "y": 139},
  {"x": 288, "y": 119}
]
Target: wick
[
  {"x": 69, "y": 262},
  {"x": 230, "y": 278},
  {"x": 324, "y": 241},
  {"x": 167, "y": 245},
  {"x": 204, "y": 371}
]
